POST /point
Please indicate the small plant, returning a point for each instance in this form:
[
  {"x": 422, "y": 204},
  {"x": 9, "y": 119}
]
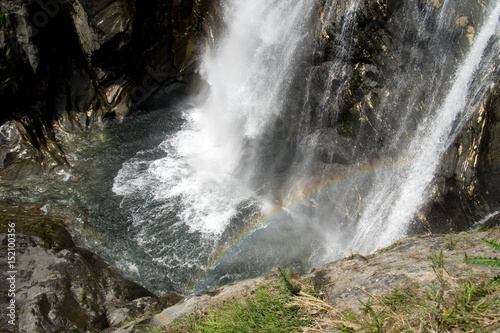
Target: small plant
[
  {"x": 266, "y": 309},
  {"x": 284, "y": 277},
  {"x": 154, "y": 330},
  {"x": 346, "y": 127},
  {"x": 346, "y": 124},
  {"x": 438, "y": 267},
  {"x": 372, "y": 318},
  {"x": 356, "y": 75},
  {"x": 3, "y": 20},
  {"x": 493, "y": 262},
  {"x": 83, "y": 298},
  {"x": 451, "y": 244}
]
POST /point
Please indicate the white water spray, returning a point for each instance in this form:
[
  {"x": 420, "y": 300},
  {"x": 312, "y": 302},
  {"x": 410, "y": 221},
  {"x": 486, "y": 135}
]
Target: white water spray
[
  {"x": 199, "y": 193},
  {"x": 248, "y": 75},
  {"x": 396, "y": 198}
]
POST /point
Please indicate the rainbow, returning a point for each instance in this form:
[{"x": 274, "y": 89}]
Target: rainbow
[{"x": 299, "y": 197}]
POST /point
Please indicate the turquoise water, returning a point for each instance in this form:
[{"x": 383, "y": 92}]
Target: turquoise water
[
  {"x": 171, "y": 198},
  {"x": 147, "y": 230}
]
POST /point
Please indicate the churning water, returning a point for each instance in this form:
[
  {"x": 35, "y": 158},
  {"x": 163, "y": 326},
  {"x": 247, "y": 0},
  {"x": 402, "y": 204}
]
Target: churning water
[
  {"x": 222, "y": 225},
  {"x": 201, "y": 190},
  {"x": 174, "y": 199}
]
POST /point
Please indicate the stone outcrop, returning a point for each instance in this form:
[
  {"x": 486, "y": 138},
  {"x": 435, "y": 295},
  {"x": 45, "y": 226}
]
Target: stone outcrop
[
  {"x": 61, "y": 287},
  {"x": 347, "y": 282},
  {"x": 405, "y": 263},
  {"x": 350, "y": 121},
  {"x": 66, "y": 65}
]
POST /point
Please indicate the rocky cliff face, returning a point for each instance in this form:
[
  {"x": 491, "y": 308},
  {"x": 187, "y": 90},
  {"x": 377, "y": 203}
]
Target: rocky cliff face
[
  {"x": 61, "y": 287},
  {"x": 68, "y": 65},
  {"x": 353, "y": 90}
]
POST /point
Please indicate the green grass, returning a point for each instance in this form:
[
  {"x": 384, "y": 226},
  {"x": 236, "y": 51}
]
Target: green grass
[
  {"x": 451, "y": 244},
  {"x": 356, "y": 75},
  {"x": 432, "y": 309},
  {"x": 265, "y": 309},
  {"x": 264, "y": 312},
  {"x": 284, "y": 277},
  {"x": 493, "y": 262},
  {"x": 448, "y": 304},
  {"x": 3, "y": 20}
]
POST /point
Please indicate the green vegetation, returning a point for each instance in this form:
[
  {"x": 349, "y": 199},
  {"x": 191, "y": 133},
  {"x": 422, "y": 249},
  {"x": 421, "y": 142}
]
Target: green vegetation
[
  {"x": 284, "y": 277},
  {"x": 436, "y": 309},
  {"x": 3, "y": 20},
  {"x": 14, "y": 72},
  {"x": 4, "y": 24},
  {"x": 346, "y": 127},
  {"x": 491, "y": 223},
  {"x": 451, "y": 244},
  {"x": 83, "y": 298},
  {"x": 8, "y": 86},
  {"x": 266, "y": 309},
  {"x": 356, "y": 75},
  {"x": 347, "y": 123},
  {"x": 493, "y": 262},
  {"x": 449, "y": 304}
]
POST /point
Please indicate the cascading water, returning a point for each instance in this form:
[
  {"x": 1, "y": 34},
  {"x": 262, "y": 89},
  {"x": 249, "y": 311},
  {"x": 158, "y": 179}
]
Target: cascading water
[
  {"x": 365, "y": 202},
  {"x": 201, "y": 191},
  {"x": 409, "y": 187},
  {"x": 274, "y": 168}
]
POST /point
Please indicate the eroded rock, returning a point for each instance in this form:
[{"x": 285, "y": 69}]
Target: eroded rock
[
  {"x": 64, "y": 288},
  {"x": 347, "y": 282}
]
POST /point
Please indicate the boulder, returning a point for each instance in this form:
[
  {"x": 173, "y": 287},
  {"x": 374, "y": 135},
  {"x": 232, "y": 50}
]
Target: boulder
[
  {"x": 61, "y": 287},
  {"x": 349, "y": 282}
]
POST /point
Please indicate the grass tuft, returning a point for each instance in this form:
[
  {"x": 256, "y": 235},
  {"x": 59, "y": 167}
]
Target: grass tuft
[
  {"x": 449, "y": 304},
  {"x": 266, "y": 309},
  {"x": 493, "y": 262}
]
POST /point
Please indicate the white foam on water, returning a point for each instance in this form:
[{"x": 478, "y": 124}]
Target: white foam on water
[{"x": 205, "y": 169}]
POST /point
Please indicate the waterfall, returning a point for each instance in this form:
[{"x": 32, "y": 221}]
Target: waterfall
[
  {"x": 188, "y": 198},
  {"x": 354, "y": 200},
  {"x": 248, "y": 75},
  {"x": 273, "y": 167},
  {"x": 386, "y": 220}
]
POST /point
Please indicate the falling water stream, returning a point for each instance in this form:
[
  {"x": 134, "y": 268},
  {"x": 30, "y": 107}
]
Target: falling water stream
[
  {"x": 409, "y": 186},
  {"x": 178, "y": 201},
  {"x": 203, "y": 182}
]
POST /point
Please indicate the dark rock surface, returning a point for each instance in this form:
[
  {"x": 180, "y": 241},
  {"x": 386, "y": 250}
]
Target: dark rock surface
[
  {"x": 353, "y": 117},
  {"x": 61, "y": 287},
  {"x": 69, "y": 65}
]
